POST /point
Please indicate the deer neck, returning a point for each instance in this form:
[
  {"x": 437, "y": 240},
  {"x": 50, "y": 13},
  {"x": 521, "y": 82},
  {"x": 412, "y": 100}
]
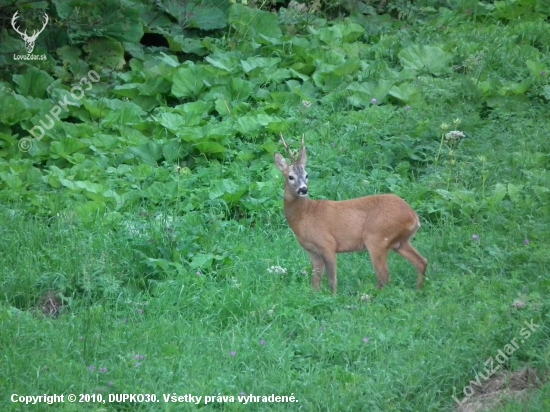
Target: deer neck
[{"x": 295, "y": 207}]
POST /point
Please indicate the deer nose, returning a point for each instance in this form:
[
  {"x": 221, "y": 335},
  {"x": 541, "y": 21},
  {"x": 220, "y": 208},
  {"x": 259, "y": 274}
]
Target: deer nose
[{"x": 302, "y": 190}]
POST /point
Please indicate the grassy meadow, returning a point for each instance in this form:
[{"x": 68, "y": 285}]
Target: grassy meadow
[{"x": 144, "y": 248}]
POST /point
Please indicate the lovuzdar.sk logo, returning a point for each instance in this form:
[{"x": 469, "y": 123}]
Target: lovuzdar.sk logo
[{"x": 29, "y": 40}]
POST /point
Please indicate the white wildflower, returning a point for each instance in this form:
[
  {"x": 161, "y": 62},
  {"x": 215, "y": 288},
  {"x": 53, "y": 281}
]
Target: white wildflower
[
  {"x": 366, "y": 298},
  {"x": 278, "y": 270},
  {"x": 454, "y": 135}
]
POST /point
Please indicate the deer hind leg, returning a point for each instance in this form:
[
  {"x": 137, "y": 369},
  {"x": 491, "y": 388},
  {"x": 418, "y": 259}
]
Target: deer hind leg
[
  {"x": 379, "y": 258},
  {"x": 318, "y": 264},
  {"x": 408, "y": 252}
]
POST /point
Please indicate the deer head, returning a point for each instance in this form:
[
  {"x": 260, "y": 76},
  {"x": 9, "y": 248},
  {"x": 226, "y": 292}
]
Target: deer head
[
  {"x": 29, "y": 40},
  {"x": 295, "y": 173}
]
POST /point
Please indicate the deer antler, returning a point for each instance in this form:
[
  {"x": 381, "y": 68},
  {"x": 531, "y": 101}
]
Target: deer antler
[
  {"x": 46, "y": 19},
  {"x": 287, "y": 149},
  {"x": 13, "y": 19}
]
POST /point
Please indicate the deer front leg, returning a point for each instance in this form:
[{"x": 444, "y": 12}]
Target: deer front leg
[
  {"x": 330, "y": 263},
  {"x": 318, "y": 269}
]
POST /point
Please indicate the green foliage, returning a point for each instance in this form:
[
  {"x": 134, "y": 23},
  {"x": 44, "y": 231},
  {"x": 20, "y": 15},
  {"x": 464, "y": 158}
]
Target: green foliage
[
  {"x": 254, "y": 23},
  {"x": 117, "y": 19},
  {"x": 197, "y": 14},
  {"x": 424, "y": 58}
]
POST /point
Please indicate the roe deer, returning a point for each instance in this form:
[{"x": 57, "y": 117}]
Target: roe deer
[{"x": 378, "y": 224}]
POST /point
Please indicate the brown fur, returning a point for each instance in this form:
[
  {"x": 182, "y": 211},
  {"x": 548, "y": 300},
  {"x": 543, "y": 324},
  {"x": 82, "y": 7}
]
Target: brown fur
[{"x": 378, "y": 224}]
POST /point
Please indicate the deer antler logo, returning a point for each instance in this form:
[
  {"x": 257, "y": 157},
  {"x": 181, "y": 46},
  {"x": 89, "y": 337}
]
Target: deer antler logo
[{"x": 29, "y": 40}]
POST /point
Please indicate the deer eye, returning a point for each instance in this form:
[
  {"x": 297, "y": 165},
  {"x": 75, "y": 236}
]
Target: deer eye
[
  {"x": 290, "y": 177},
  {"x": 306, "y": 175}
]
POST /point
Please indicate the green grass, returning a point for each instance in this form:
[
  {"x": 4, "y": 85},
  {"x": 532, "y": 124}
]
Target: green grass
[{"x": 422, "y": 347}]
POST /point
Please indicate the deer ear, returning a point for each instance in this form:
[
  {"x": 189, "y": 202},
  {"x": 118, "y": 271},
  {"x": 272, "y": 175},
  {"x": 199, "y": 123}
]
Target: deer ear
[
  {"x": 280, "y": 162},
  {"x": 303, "y": 155}
]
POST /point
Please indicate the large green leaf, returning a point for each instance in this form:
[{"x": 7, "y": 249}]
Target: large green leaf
[
  {"x": 364, "y": 93},
  {"x": 89, "y": 212},
  {"x": 406, "y": 92},
  {"x": 99, "y": 108},
  {"x": 201, "y": 261},
  {"x": 117, "y": 19},
  {"x": 11, "y": 181},
  {"x": 207, "y": 18},
  {"x": 211, "y": 147},
  {"x": 149, "y": 153},
  {"x": 71, "y": 58},
  {"x": 537, "y": 68},
  {"x": 187, "y": 45},
  {"x": 33, "y": 83},
  {"x": 189, "y": 81},
  {"x": 272, "y": 75},
  {"x": 173, "y": 150},
  {"x": 514, "y": 192},
  {"x": 130, "y": 90},
  {"x": 223, "y": 106},
  {"x": 255, "y": 62},
  {"x": 190, "y": 134},
  {"x": 201, "y": 108},
  {"x": 330, "y": 77},
  {"x": 171, "y": 121},
  {"x": 339, "y": 33},
  {"x": 509, "y": 88},
  {"x": 13, "y": 109},
  {"x": 248, "y": 124},
  {"x": 175, "y": 121},
  {"x": 424, "y": 58},
  {"x": 499, "y": 193},
  {"x": 250, "y": 22},
  {"x": 228, "y": 190},
  {"x": 105, "y": 53},
  {"x": 199, "y": 14},
  {"x": 66, "y": 147},
  {"x": 223, "y": 61},
  {"x": 240, "y": 89},
  {"x": 127, "y": 113},
  {"x": 154, "y": 86}
]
